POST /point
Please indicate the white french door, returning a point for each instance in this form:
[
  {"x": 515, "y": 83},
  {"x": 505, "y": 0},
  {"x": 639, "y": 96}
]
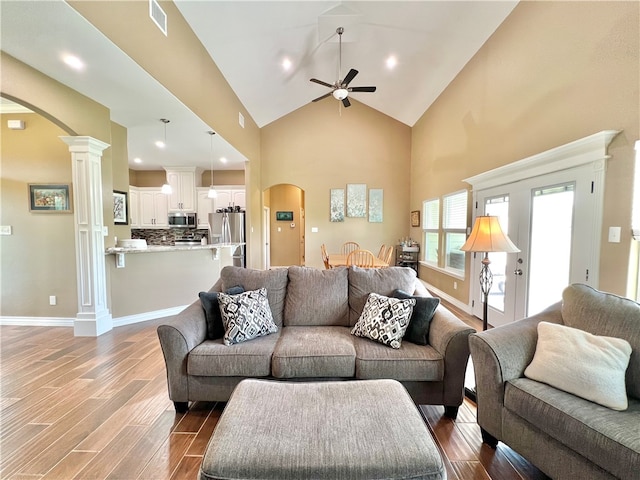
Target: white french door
[{"x": 551, "y": 220}]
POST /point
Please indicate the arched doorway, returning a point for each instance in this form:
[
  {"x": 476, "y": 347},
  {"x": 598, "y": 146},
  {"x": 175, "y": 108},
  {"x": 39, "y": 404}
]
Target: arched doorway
[{"x": 283, "y": 226}]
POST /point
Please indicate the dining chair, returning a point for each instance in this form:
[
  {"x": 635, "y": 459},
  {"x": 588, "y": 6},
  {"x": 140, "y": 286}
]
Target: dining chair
[
  {"x": 361, "y": 258},
  {"x": 325, "y": 257},
  {"x": 389, "y": 255},
  {"x": 382, "y": 252},
  {"x": 348, "y": 247}
]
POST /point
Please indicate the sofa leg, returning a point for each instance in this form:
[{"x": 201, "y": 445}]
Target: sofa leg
[
  {"x": 488, "y": 438},
  {"x": 181, "y": 407},
  {"x": 451, "y": 412}
]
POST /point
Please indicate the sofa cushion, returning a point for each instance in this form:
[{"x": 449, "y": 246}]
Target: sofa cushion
[
  {"x": 211, "y": 307},
  {"x": 605, "y": 437},
  {"x": 315, "y": 351},
  {"x": 418, "y": 329},
  {"x": 589, "y": 366},
  {"x": 363, "y": 281},
  {"x": 384, "y": 320},
  {"x": 317, "y": 297},
  {"x": 275, "y": 281},
  {"x": 410, "y": 362},
  {"x": 249, "y": 359},
  {"x": 606, "y": 314}
]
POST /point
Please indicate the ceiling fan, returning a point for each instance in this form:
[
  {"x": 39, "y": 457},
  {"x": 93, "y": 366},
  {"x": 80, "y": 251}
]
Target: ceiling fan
[{"x": 341, "y": 89}]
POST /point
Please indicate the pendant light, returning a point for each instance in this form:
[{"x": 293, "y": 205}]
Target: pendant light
[
  {"x": 212, "y": 192},
  {"x": 166, "y": 188}
]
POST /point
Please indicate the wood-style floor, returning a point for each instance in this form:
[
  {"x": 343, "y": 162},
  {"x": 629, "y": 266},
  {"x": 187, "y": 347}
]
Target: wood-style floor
[{"x": 97, "y": 408}]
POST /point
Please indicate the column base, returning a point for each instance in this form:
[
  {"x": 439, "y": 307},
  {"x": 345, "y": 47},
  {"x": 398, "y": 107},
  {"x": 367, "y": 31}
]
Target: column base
[{"x": 92, "y": 324}]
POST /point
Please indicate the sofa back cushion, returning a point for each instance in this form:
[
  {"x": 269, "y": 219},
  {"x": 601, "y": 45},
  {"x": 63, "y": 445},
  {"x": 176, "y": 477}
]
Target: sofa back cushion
[
  {"x": 317, "y": 297},
  {"x": 275, "y": 281},
  {"x": 609, "y": 315},
  {"x": 383, "y": 281}
]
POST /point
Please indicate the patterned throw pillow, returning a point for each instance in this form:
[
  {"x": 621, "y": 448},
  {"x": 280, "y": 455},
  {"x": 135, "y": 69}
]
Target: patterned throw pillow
[
  {"x": 384, "y": 319},
  {"x": 246, "y": 316}
]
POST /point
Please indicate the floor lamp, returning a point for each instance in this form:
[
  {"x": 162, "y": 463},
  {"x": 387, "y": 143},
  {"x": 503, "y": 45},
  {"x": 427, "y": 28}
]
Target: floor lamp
[{"x": 486, "y": 236}]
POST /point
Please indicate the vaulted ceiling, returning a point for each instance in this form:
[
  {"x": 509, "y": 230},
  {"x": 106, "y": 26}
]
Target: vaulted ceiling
[{"x": 251, "y": 42}]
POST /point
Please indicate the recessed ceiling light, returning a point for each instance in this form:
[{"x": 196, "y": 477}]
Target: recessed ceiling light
[
  {"x": 286, "y": 64},
  {"x": 137, "y": 160},
  {"x": 223, "y": 159},
  {"x": 160, "y": 144},
  {"x": 73, "y": 61},
  {"x": 391, "y": 62}
]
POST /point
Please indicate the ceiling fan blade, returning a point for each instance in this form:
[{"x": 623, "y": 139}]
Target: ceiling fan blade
[
  {"x": 350, "y": 76},
  {"x": 346, "y": 102},
  {"x": 321, "y": 97},
  {"x": 362, "y": 89},
  {"x": 320, "y": 82}
]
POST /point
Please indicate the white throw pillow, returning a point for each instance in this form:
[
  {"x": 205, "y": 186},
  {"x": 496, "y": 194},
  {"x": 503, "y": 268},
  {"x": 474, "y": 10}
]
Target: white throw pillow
[
  {"x": 590, "y": 366},
  {"x": 384, "y": 319},
  {"x": 246, "y": 316}
]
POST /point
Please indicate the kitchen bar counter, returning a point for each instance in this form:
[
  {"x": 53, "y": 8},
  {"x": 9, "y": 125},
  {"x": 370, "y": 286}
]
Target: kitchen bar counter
[{"x": 169, "y": 248}]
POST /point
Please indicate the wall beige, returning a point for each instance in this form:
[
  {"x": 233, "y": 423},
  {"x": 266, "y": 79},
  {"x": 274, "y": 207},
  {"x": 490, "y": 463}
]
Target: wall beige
[
  {"x": 38, "y": 259},
  {"x": 287, "y": 247},
  {"x": 552, "y": 73},
  {"x": 317, "y": 148}
]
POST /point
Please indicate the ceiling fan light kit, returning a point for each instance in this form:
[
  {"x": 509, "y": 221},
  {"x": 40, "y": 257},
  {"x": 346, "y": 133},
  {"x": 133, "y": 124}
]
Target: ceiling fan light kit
[{"x": 340, "y": 88}]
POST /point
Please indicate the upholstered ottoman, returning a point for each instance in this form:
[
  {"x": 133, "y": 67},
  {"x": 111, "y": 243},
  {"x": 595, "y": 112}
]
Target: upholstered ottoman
[{"x": 367, "y": 429}]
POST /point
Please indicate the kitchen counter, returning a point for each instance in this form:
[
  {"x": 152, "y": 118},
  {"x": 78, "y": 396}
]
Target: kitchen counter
[{"x": 169, "y": 248}]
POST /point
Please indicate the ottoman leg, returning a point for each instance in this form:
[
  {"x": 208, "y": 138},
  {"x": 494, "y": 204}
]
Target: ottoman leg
[
  {"x": 488, "y": 438},
  {"x": 451, "y": 412},
  {"x": 181, "y": 407}
]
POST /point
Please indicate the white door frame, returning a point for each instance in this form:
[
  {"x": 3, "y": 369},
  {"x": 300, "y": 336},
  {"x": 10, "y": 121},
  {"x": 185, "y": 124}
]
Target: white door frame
[
  {"x": 589, "y": 152},
  {"x": 266, "y": 235}
]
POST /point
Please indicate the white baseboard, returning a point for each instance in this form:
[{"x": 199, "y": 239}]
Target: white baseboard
[
  {"x": 143, "y": 317},
  {"x": 37, "y": 321},
  {"x": 454, "y": 301},
  {"x": 69, "y": 322}
]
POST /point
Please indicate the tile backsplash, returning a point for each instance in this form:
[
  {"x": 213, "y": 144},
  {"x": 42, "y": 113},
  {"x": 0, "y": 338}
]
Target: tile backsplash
[{"x": 167, "y": 236}]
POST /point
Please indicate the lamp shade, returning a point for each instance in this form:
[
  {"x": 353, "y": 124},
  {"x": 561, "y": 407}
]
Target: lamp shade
[{"x": 487, "y": 236}]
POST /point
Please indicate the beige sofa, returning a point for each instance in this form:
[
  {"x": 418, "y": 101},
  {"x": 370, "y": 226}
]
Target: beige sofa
[
  {"x": 315, "y": 311},
  {"x": 565, "y": 435}
]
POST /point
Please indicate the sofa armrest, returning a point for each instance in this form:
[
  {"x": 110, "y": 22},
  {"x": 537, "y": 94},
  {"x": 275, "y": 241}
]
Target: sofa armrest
[
  {"x": 450, "y": 337},
  {"x": 502, "y": 354},
  {"x": 178, "y": 337}
]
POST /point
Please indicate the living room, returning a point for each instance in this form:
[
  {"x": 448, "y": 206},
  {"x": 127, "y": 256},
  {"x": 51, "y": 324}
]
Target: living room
[{"x": 551, "y": 74}]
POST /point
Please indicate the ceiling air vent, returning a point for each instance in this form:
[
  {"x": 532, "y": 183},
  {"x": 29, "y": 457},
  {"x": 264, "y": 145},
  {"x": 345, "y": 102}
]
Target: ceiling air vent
[{"x": 158, "y": 16}]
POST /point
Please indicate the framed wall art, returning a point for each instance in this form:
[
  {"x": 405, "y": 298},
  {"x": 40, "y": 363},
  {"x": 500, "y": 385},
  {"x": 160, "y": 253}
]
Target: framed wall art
[
  {"x": 50, "y": 197},
  {"x": 120, "y": 208},
  {"x": 356, "y": 200},
  {"x": 375, "y": 205},
  {"x": 284, "y": 216},
  {"x": 415, "y": 218},
  {"x": 336, "y": 205}
]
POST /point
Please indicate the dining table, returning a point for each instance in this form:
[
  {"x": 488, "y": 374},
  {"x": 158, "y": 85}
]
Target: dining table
[{"x": 340, "y": 260}]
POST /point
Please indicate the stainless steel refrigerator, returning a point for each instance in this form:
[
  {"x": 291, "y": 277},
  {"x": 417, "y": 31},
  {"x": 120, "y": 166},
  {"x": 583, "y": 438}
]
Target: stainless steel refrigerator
[{"x": 229, "y": 227}]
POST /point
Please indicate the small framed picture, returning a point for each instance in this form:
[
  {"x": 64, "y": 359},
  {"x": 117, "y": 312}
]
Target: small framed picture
[
  {"x": 120, "y": 208},
  {"x": 50, "y": 197},
  {"x": 415, "y": 218},
  {"x": 284, "y": 216}
]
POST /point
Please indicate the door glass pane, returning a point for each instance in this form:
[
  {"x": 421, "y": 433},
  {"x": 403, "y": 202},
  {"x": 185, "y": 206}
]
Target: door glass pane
[
  {"x": 550, "y": 249},
  {"x": 498, "y": 207}
]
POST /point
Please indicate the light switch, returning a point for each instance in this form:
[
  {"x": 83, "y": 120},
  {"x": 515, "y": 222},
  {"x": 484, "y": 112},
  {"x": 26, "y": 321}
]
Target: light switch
[
  {"x": 314, "y": 229},
  {"x": 5, "y": 230},
  {"x": 614, "y": 234}
]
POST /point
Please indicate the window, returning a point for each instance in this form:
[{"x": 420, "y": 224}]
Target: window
[
  {"x": 430, "y": 226},
  {"x": 454, "y": 227}
]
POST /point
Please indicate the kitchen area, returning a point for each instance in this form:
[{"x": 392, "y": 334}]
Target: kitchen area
[{"x": 181, "y": 238}]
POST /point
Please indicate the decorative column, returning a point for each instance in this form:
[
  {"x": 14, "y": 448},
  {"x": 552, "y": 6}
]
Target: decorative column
[{"x": 93, "y": 318}]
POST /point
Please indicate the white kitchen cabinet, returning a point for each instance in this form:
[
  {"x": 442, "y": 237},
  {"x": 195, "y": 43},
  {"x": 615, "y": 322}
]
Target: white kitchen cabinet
[
  {"x": 154, "y": 208},
  {"x": 184, "y": 182},
  {"x": 230, "y": 196},
  {"x": 205, "y": 207},
  {"x": 134, "y": 207}
]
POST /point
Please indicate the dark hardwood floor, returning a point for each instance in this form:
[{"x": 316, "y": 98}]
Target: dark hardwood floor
[{"x": 97, "y": 408}]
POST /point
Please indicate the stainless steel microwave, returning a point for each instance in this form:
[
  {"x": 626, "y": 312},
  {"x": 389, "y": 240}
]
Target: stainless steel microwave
[{"x": 183, "y": 220}]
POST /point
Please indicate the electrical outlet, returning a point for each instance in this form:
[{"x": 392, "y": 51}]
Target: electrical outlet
[
  {"x": 314, "y": 229},
  {"x": 241, "y": 119},
  {"x": 52, "y": 300},
  {"x": 455, "y": 285}
]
